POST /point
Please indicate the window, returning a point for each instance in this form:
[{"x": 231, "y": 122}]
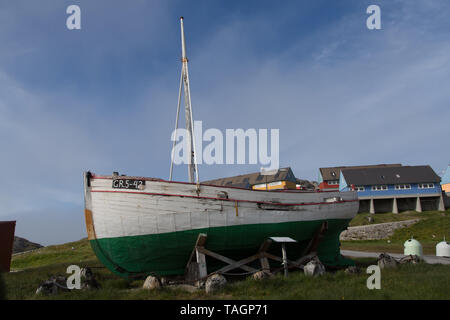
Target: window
[
  {"x": 402, "y": 187},
  {"x": 426, "y": 185},
  {"x": 333, "y": 182},
  {"x": 379, "y": 188},
  {"x": 360, "y": 188}
]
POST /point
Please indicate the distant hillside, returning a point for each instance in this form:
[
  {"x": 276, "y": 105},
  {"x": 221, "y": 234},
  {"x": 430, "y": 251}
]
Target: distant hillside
[{"x": 22, "y": 245}]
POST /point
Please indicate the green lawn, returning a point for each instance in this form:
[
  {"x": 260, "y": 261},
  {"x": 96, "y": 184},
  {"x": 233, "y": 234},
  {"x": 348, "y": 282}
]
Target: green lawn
[
  {"x": 420, "y": 281},
  {"x": 72, "y": 253},
  {"x": 362, "y": 218},
  {"x": 430, "y": 230}
]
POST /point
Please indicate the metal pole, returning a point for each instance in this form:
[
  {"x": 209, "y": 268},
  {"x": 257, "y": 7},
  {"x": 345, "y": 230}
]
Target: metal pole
[{"x": 285, "y": 263}]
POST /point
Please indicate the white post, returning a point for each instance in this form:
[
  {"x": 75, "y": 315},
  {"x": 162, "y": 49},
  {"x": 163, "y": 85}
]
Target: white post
[
  {"x": 372, "y": 207},
  {"x": 441, "y": 206},
  {"x": 394, "y": 206},
  {"x": 418, "y": 205}
]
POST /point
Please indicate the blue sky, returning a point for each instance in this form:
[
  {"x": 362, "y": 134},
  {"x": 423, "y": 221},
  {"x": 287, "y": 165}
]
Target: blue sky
[{"x": 103, "y": 98}]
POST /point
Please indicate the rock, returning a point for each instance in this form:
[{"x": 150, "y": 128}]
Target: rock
[
  {"x": 53, "y": 286},
  {"x": 386, "y": 261},
  {"x": 314, "y": 268},
  {"x": 88, "y": 281},
  {"x": 370, "y": 219},
  {"x": 151, "y": 283},
  {"x": 353, "y": 270},
  {"x": 214, "y": 283},
  {"x": 413, "y": 259},
  {"x": 200, "y": 284},
  {"x": 261, "y": 275}
]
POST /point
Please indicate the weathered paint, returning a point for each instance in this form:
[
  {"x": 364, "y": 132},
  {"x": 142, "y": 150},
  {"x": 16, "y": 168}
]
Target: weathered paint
[
  {"x": 89, "y": 224},
  {"x": 154, "y": 229},
  {"x": 167, "y": 253}
]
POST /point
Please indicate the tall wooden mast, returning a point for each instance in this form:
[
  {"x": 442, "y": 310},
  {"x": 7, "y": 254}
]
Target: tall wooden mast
[{"x": 184, "y": 82}]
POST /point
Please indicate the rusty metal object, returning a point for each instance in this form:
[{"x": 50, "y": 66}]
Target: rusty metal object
[{"x": 6, "y": 244}]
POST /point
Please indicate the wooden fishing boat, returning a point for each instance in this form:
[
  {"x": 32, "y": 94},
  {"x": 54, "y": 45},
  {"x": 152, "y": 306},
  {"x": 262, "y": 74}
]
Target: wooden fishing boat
[
  {"x": 151, "y": 226},
  {"x": 139, "y": 226}
]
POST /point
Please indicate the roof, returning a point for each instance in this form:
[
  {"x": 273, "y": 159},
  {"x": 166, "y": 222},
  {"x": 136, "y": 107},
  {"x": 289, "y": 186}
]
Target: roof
[
  {"x": 333, "y": 173},
  {"x": 248, "y": 180},
  {"x": 390, "y": 175}
]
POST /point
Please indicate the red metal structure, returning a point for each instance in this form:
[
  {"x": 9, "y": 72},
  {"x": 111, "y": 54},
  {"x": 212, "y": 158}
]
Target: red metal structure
[{"x": 6, "y": 244}]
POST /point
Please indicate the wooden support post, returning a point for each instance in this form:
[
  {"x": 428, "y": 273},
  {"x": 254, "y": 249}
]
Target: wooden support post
[
  {"x": 315, "y": 240},
  {"x": 265, "y": 266},
  {"x": 201, "y": 262},
  {"x": 197, "y": 269},
  {"x": 224, "y": 259}
]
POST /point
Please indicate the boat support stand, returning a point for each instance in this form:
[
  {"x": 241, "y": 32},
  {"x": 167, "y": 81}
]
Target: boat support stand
[{"x": 196, "y": 268}]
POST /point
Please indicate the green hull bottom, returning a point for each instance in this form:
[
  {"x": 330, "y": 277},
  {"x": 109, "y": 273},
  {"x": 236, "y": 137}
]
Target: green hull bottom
[{"x": 167, "y": 253}]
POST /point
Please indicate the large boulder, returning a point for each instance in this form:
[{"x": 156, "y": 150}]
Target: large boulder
[
  {"x": 314, "y": 268},
  {"x": 151, "y": 283},
  {"x": 214, "y": 283},
  {"x": 386, "y": 261}
]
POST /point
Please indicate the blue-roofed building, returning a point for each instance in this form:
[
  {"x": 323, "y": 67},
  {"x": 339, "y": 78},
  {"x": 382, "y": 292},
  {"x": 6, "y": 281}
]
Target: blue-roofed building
[{"x": 394, "y": 189}]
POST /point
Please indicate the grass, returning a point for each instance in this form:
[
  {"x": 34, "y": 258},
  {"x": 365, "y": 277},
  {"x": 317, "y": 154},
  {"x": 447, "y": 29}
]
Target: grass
[
  {"x": 420, "y": 281},
  {"x": 362, "y": 218},
  {"x": 54, "y": 254},
  {"x": 2, "y": 288},
  {"x": 430, "y": 230}
]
